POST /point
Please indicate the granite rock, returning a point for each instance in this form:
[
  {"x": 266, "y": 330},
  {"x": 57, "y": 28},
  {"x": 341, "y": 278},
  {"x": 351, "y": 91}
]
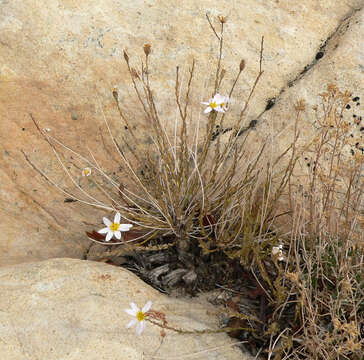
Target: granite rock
[
  {"x": 72, "y": 309},
  {"x": 61, "y": 59}
]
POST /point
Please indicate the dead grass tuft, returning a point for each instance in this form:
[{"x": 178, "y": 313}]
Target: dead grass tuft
[{"x": 307, "y": 300}]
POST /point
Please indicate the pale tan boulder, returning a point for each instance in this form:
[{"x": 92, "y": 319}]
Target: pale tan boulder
[
  {"x": 73, "y": 309},
  {"x": 342, "y": 65},
  {"x": 60, "y": 60}
]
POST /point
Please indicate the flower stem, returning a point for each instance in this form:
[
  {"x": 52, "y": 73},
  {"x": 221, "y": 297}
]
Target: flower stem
[{"x": 205, "y": 331}]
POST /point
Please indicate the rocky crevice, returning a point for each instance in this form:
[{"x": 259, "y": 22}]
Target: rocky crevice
[{"x": 330, "y": 44}]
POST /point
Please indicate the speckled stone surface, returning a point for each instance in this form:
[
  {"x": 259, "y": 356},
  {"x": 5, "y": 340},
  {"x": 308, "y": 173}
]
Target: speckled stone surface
[
  {"x": 342, "y": 64},
  {"x": 74, "y": 310},
  {"x": 60, "y": 60}
]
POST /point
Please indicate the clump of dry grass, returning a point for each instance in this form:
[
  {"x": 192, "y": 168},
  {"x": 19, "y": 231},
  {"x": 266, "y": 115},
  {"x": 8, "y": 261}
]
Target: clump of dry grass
[
  {"x": 193, "y": 186},
  {"x": 320, "y": 286},
  {"x": 326, "y": 266},
  {"x": 190, "y": 184},
  {"x": 223, "y": 196}
]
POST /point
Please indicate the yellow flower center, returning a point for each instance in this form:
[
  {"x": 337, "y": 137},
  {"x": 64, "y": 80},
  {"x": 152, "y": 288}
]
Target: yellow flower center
[
  {"x": 114, "y": 226},
  {"x": 222, "y": 104},
  {"x": 213, "y": 105},
  {"x": 140, "y": 316}
]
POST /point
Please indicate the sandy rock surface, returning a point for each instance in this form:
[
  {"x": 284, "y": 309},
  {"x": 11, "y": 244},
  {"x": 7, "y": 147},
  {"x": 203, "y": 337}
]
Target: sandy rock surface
[
  {"x": 342, "y": 64},
  {"x": 60, "y": 60},
  {"x": 72, "y": 309}
]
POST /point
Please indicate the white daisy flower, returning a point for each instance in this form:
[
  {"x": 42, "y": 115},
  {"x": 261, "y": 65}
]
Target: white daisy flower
[
  {"x": 217, "y": 103},
  {"x": 223, "y": 102},
  {"x": 278, "y": 252},
  {"x": 140, "y": 316},
  {"x": 86, "y": 171},
  {"x": 114, "y": 228}
]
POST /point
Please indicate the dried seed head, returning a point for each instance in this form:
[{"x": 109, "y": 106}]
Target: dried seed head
[
  {"x": 147, "y": 48},
  {"x": 126, "y": 57},
  {"x": 346, "y": 287},
  {"x": 222, "y": 19},
  {"x": 300, "y": 105},
  {"x": 294, "y": 277},
  {"x": 332, "y": 88},
  {"x": 242, "y": 65},
  {"x": 336, "y": 323}
]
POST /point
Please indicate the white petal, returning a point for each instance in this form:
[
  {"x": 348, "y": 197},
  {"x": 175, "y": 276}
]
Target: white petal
[
  {"x": 134, "y": 307},
  {"x": 218, "y": 98},
  {"x": 131, "y": 323},
  {"x": 117, "y": 234},
  {"x": 103, "y": 231},
  {"x": 117, "y": 218},
  {"x": 131, "y": 312},
  {"x": 275, "y": 250},
  {"x": 125, "y": 227},
  {"x": 147, "y": 306},
  {"x": 109, "y": 236},
  {"x": 205, "y": 103},
  {"x": 140, "y": 327},
  {"x": 220, "y": 109},
  {"x": 106, "y": 221},
  {"x": 207, "y": 110}
]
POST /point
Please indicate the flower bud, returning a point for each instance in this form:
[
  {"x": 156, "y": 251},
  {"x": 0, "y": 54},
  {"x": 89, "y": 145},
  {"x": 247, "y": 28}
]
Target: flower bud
[
  {"x": 242, "y": 65},
  {"x": 147, "y": 49},
  {"x": 223, "y": 19}
]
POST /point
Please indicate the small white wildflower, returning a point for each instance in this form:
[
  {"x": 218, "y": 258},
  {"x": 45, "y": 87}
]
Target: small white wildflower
[
  {"x": 223, "y": 102},
  {"x": 47, "y": 129},
  {"x": 114, "y": 228},
  {"x": 140, "y": 316},
  {"x": 86, "y": 171},
  {"x": 278, "y": 252},
  {"x": 217, "y": 103}
]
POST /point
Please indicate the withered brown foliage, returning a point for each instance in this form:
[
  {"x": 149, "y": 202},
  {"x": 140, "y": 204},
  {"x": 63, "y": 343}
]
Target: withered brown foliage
[{"x": 226, "y": 197}]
